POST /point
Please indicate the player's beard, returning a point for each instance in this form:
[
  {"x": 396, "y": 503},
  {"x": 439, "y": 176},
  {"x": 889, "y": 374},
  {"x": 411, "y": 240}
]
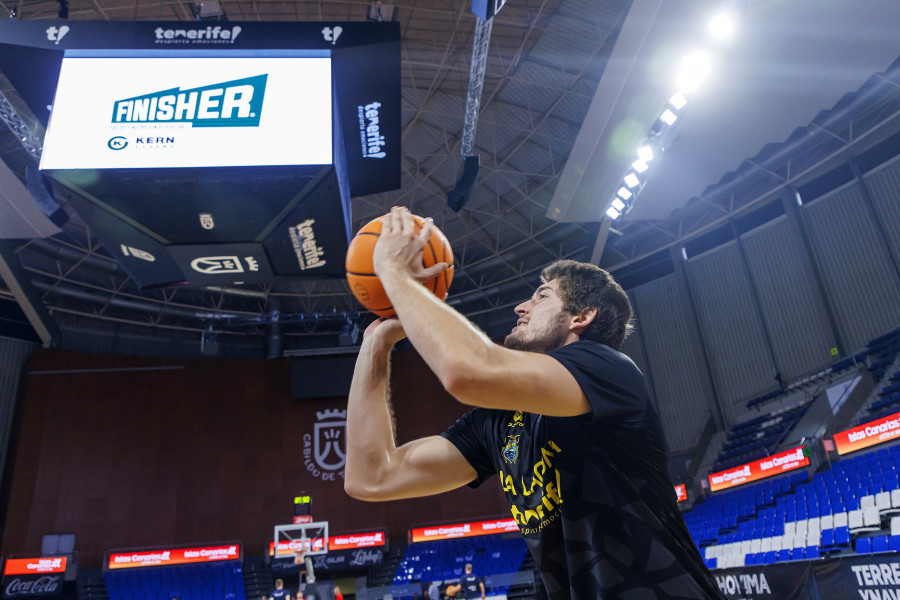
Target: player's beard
[{"x": 543, "y": 340}]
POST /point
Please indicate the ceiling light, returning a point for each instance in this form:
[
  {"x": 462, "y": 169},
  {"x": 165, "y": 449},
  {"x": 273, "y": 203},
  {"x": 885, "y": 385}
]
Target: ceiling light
[
  {"x": 612, "y": 213},
  {"x": 631, "y": 180},
  {"x": 721, "y": 26},
  {"x": 624, "y": 193},
  {"x": 694, "y": 71},
  {"x": 645, "y": 153},
  {"x": 678, "y": 100},
  {"x": 618, "y": 204},
  {"x": 668, "y": 117},
  {"x": 639, "y": 166}
]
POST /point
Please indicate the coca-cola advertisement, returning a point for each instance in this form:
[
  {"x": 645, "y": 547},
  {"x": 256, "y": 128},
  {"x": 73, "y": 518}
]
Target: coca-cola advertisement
[{"x": 24, "y": 586}]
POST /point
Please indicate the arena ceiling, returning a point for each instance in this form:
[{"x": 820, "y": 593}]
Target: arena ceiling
[{"x": 571, "y": 88}]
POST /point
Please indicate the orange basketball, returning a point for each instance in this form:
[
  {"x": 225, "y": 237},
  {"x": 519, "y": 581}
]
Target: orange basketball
[{"x": 361, "y": 273}]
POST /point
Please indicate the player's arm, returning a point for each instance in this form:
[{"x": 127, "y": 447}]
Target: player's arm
[
  {"x": 471, "y": 367},
  {"x": 481, "y": 585},
  {"x": 376, "y": 468}
]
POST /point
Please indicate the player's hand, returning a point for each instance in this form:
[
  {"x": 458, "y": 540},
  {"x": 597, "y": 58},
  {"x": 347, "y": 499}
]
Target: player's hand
[
  {"x": 388, "y": 331},
  {"x": 399, "y": 248}
]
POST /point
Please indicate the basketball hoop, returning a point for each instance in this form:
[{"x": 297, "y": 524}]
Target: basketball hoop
[
  {"x": 301, "y": 559},
  {"x": 302, "y": 541}
]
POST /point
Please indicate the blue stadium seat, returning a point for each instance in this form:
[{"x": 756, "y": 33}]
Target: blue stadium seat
[
  {"x": 864, "y": 546},
  {"x": 880, "y": 544}
]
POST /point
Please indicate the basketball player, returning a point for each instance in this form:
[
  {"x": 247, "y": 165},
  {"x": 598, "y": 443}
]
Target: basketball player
[
  {"x": 560, "y": 415},
  {"x": 472, "y": 586}
]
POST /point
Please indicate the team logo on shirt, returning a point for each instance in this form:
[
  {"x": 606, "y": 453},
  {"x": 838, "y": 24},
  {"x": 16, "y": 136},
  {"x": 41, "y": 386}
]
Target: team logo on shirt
[
  {"x": 518, "y": 420},
  {"x": 511, "y": 449}
]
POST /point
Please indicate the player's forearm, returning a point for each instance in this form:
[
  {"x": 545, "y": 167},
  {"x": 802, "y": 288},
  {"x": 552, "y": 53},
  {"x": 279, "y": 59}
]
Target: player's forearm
[
  {"x": 370, "y": 427},
  {"x": 453, "y": 348}
]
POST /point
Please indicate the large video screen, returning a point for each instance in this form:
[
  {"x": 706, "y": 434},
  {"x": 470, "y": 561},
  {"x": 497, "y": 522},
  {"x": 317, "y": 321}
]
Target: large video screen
[{"x": 175, "y": 109}]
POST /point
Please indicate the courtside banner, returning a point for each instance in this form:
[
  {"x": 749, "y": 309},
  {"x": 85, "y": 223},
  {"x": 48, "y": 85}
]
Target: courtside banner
[
  {"x": 179, "y": 556},
  {"x": 445, "y": 532},
  {"x": 868, "y": 434},
  {"x": 296, "y": 546},
  {"x": 35, "y": 576},
  {"x": 32, "y": 566},
  {"x": 681, "y": 492},
  {"x": 760, "y": 469},
  {"x": 373, "y": 539},
  {"x": 786, "y": 581},
  {"x": 873, "y": 576}
]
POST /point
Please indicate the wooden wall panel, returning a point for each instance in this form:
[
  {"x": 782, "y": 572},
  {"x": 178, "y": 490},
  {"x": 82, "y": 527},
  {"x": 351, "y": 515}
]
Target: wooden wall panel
[{"x": 129, "y": 452}]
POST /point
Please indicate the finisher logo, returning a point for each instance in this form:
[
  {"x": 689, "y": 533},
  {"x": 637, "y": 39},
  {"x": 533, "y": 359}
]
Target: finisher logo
[{"x": 235, "y": 103}]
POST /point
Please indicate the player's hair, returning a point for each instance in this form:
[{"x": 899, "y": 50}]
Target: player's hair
[{"x": 584, "y": 286}]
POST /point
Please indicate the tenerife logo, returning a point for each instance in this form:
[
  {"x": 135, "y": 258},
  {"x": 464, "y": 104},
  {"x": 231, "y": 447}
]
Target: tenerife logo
[
  {"x": 303, "y": 238},
  {"x": 331, "y": 34},
  {"x": 205, "y": 36},
  {"x": 370, "y": 131},
  {"x": 511, "y": 449},
  {"x": 324, "y": 452},
  {"x": 55, "y": 34},
  {"x": 235, "y": 103}
]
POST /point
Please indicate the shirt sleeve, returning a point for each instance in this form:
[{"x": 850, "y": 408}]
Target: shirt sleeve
[
  {"x": 611, "y": 382},
  {"x": 471, "y": 434}
]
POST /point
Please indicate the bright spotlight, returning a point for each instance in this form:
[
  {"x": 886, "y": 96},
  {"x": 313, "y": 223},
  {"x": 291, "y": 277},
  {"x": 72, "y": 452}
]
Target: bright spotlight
[
  {"x": 631, "y": 180},
  {"x": 645, "y": 153},
  {"x": 678, "y": 100},
  {"x": 624, "y": 193},
  {"x": 618, "y": 204},
  {"x": 668, "y": 117},
  {"x": 694, "y": 70},
  {"x": 639, "y": 166},
  {"x": 612, "y": 213},
  {"x": 721, "y": 26}
]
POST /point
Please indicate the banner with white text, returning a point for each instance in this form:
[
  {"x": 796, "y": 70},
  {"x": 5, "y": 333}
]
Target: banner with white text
[{"x": 457, "y": 530}]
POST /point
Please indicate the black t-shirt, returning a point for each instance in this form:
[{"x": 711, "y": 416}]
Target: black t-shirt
[
  {"x": 590, "y": 493},
  {"x": 470, "y": 587}
]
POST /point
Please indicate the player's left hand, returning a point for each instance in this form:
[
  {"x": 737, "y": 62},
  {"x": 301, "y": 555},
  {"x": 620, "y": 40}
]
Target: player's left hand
[
  {"x": 399, "y": 248},
  {"x": 386, "y": 330}
]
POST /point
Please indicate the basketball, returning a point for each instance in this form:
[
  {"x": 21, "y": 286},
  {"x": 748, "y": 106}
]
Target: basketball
[{"x": 361, "y": 272}]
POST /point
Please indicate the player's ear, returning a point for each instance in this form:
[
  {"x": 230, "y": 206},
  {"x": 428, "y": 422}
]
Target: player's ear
[{"x": 582, "y": 320}]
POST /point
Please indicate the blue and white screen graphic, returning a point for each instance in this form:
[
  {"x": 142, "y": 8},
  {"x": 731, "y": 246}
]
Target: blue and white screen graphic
[{"x": 170, "y": 112}]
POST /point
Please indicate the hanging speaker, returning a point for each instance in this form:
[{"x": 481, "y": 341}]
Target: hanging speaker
[{"x": 459, "y": 195}]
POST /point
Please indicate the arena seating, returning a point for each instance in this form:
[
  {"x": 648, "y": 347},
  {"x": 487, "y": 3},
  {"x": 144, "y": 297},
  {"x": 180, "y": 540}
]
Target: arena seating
[
  {"x": 755, "y": 438},
  {"x": 205, "y": 581},
  {"x": 446, "y": 559},
  {"x": 882, "y": 351},
  {"x": 853, "y": 506}
]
